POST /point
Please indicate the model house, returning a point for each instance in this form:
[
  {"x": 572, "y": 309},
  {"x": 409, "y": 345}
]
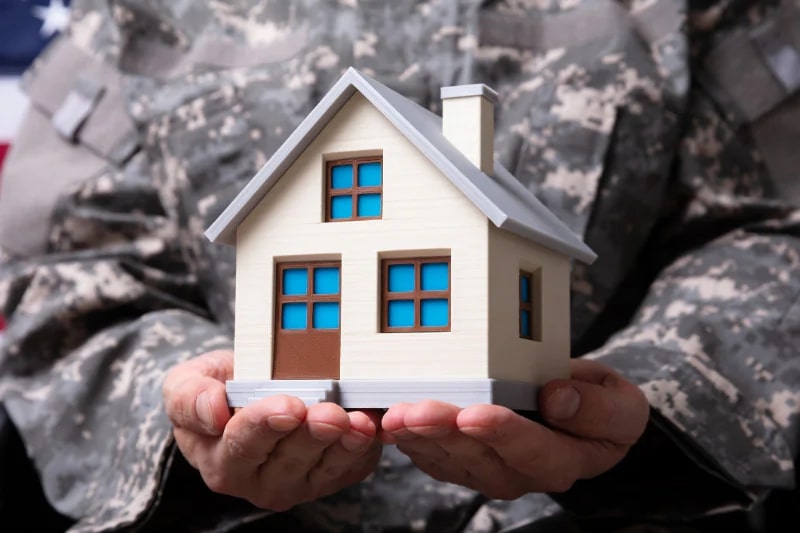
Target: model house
[{"x": 382, "y": 255}]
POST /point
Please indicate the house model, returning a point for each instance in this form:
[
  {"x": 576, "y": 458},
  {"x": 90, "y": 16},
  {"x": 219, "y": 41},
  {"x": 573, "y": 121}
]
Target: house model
[{"x": 382, "y": 255}]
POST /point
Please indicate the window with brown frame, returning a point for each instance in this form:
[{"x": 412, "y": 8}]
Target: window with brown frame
[
  {"x": 530, "y": 305},
  {"x": 415, "y": 294},
  {"x": 354, "y": 189},
  {"x": 308, "y": 295}
]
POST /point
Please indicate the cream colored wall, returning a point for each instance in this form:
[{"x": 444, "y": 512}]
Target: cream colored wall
[
  {"x": 422, "y": 210},
  {"x": 523, "y": 359}
]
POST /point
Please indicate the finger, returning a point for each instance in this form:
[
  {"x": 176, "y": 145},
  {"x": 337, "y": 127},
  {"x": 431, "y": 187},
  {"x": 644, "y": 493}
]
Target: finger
[
  {"x": 281, "y": 498},
  {"x": 413, "y": 426},
  {"x": 551, "y": 461},
  {"x": 418, "y": 430},
  {"x": 393, "y": 421},
  {"x": 346, "y": 454},
  {"x": 363, "y": 430},
  {"x": 217, "y": 365},
  {"x": 430, "y": 436},
  {"x": 232, "y": 466},
  {"x": 431, "y": 419},
  {"x": 597, "y": 403},
  {"x": 486, "y": 470},
  {"x": 440, "y": 470},
  {"x": 196, "y": 448},
  {"x": 296, "y": 454},
  {"x": 183, "y": 391},
  {"x": 198, "y": 404}
]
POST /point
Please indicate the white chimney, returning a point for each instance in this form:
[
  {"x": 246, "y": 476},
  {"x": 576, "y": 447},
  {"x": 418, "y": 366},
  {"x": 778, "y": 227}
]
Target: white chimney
[{"x": 468, "y": 122}]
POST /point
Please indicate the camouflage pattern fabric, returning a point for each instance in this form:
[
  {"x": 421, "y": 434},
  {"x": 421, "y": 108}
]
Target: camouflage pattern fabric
[{"x": 694, "y": 297}]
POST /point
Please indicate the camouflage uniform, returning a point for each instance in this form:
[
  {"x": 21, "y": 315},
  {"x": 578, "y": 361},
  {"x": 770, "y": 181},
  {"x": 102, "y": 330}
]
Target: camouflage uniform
[{"x": 624, "y": 117}]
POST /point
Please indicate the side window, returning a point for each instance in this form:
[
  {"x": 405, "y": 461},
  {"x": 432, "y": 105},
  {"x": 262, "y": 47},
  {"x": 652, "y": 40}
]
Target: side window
[
  {"x": 415, "y": 294},
  {"x": 354, "y": 189},
  {"x": 309, "y": 295},
  {"x": 530, "y": 307}
]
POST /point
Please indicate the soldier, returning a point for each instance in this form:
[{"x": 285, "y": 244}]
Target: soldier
[{"x": 632, "y": 121}]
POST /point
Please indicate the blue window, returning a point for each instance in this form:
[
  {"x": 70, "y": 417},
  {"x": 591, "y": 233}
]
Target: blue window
[
  {"x": 530, "y": 305},
  {"x": 341, "y": 207},
  {"x": 402, "y": 278},
  {"x": 434, "y": 312},
  {"x": 326, "y": 315},
  {"x": 294, "y": 315},
  {"x": 369, "y": 205},
  {"x": 309, "y": 296},
  {"x": 326, "y": 280},
  {"x": 355, "y": 189},
  {"x": 295, "y": 281},
  {"x": 401, "y": 313},
  {"x": 416, "y": 294},
  {"x": 342, "y": 176}
]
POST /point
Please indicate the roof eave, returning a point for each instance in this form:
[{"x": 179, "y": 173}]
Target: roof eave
[
  {"x": 580, "y": 252},
  {"x": 223, "y": 229}
]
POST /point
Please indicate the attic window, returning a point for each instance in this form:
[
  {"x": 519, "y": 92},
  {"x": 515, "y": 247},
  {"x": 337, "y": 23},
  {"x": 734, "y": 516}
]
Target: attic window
[
  {"x": 530, "y": 305},
  {"x": 354, "y": 189}
]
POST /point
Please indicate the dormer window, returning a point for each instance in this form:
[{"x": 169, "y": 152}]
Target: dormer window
[{"x": 354, "y": 189}]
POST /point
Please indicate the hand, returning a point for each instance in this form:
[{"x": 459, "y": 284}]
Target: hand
[
  {"x": 275, "y": 452},
  {"x": 594, "y": 418}
]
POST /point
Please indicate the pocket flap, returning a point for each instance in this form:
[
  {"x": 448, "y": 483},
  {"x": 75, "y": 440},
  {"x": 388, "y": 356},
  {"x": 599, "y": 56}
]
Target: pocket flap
[{"x": 84, "y": 99}]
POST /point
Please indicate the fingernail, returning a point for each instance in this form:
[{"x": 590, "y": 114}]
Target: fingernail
[
  {"x": 564, "y": 403},
  {"x": 282, "y": 423},
  {"x": 354, "y": 441},
  {"x": 202, "y": 405}
]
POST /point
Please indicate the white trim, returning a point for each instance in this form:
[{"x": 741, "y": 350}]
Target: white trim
[{"x": 13, "y": 105}]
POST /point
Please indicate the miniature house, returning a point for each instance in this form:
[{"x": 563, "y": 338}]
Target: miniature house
[{"x": 382, "y": 255}]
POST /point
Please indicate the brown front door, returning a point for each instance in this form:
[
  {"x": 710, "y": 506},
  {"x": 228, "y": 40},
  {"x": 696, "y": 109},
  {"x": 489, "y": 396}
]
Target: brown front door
[{"x": 307, "y": 330}]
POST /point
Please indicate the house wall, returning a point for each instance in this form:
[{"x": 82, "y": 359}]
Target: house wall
[
  {"x": 422, "y": 210},
  {"x": 512, "y": 357}
]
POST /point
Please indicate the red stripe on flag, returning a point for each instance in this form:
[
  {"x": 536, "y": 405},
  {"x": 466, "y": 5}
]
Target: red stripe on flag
[{"x": 3, "y": 150}]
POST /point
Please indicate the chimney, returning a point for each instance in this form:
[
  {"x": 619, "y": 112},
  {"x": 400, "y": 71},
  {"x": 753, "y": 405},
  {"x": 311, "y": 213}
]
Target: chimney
[{"x": 468, "y": 122}]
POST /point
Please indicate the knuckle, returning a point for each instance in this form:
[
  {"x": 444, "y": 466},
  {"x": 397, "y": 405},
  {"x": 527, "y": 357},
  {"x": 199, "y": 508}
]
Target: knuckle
[
  {"x": 291, "y": 464},
  {"x": 236, "y": 449},
  {"x": 179, "y": 409},
  {"x": 219, "y": 482},
  {"x": 534, "y": 458},
  {"x": 326, "y": 472},
  {"x": 610, "y": 411}
]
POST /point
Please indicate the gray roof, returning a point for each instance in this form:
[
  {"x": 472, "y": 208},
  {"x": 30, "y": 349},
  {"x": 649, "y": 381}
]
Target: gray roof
[{"x": 502, "y": 198}]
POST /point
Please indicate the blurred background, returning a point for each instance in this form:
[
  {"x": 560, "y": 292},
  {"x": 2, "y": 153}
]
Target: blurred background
[{"x": 26, "y": 26}]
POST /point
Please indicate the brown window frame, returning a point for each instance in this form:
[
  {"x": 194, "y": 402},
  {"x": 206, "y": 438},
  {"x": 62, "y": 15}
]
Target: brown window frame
[
  {"x": 417, "y": 295},
  {"x": 533, "y": 307},
  {"x": 309, "y": 298},
  {"x": 354, "y": 191}
]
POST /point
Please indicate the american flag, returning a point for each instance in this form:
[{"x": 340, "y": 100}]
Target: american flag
[{"x": 26, "y": 26}]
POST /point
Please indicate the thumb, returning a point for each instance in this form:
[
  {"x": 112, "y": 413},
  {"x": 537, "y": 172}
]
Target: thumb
[
  {"x": 597, "y": 403},
  {"x": 194, "y": 393}
]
